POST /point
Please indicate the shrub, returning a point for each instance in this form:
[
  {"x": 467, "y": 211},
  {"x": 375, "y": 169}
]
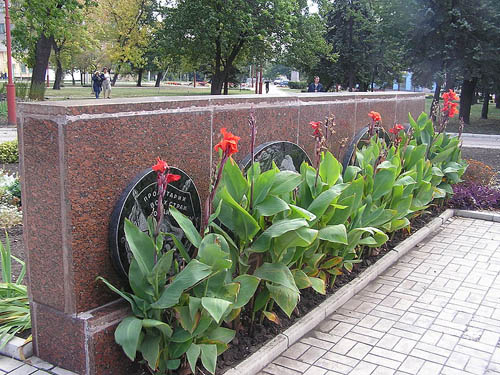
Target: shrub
[
  {"x": 9, "y": 152},
  {"x": 298, "y": 85},
  {"x": 478, "y": 173},
  {"x": 474, "y": 196}
]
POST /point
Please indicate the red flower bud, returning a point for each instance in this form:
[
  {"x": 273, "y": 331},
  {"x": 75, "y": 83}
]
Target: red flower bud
[
  {"x": 161, "y": 166},
  {"x": 375, "y": 116}
]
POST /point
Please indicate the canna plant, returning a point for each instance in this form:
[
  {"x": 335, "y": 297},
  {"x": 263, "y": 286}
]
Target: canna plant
[
  {"x": 14, "y": 304},
  {"x": 177, "y": 313}
]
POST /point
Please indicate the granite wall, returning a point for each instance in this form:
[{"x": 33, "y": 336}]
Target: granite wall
[{"x": 78, "y": 156}]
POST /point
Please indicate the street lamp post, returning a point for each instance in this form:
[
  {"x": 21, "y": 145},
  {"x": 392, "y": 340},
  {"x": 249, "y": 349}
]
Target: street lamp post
[{"x": 11, "y": 90}]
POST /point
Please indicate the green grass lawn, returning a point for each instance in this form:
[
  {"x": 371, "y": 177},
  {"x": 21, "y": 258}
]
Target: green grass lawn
[
  {"x": 129, "y": 90},
  {"x": 477, "y": 124}
]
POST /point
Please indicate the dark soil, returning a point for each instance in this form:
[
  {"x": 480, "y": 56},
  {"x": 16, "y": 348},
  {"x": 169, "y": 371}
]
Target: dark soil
[{"x": 487, "y": 156}]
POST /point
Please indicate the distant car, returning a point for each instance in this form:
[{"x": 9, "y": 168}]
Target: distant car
[
  {"x": 283, "y": 84},
  {"x": 277, "y": 81}
]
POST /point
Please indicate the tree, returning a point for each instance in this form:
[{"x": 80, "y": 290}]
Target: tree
[
  {"x": 37, "y": 24},
  {"x": 307, "y": 46},
  {"x": 351, "y": 34},
  {"x": 124, "y": 29},
  {"x": 224, "y": 34},
  {"x": 454, "y": 41}
]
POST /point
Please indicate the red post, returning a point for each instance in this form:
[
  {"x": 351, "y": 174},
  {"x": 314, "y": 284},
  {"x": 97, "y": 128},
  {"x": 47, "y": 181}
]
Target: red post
[
  {"x": 260, "y": 80},
  {"x": 11, "y": 89},
  {"x": 256, "y": 71},
  {"x": 194, "y": 79}
]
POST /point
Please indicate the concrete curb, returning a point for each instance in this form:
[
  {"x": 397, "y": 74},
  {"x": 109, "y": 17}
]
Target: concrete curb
[
  {"x": 283, "y": 341},
  {"x": 17, "y": 348}
]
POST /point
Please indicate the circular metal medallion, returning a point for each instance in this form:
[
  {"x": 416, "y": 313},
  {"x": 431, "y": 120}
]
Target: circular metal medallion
[{"x": 139, "y": 200}]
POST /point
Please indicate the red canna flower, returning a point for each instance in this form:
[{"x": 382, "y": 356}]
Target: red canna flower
[
  {"x": 161, "y": 166},
  {"x": 316, "y": 127},
  {"x": 172, "y": 177},
  {"x": 229, "y": 143},
  {"x": 375, "y": 116},
  {"x": 396, "y": 129},
  {"x": 450, "y": 108}
]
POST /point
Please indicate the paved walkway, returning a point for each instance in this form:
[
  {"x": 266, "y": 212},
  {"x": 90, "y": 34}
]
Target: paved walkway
[
  {"x": 436, "y": 311},
  {"x": 490, "y": 141},
  {"x": 32, "y": 366}
]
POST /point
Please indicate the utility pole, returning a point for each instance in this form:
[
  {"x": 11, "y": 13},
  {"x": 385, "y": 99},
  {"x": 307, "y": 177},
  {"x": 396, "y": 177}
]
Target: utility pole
[{"x": 11, "y": 89}]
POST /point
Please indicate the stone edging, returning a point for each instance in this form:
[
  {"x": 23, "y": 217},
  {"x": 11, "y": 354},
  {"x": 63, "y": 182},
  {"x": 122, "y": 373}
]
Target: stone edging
[
  {"x": 266, "y": 354},
  {"x": 17, "y": 348}
]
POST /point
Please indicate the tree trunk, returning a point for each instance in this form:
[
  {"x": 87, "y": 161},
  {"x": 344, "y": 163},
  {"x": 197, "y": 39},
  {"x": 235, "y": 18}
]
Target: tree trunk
[
  {"x": 226, "y": 87},
  {"x": 486, "y": 102},
  {"x": 139, "y": 78},
  {"x": 466, "y": 97},
  {"x": 217, "y": 83},
  {"x": 497, "y": 100},
  {"x": 114, "y": 79},
  {"x": 73, "y": 77},
  {"x": 42, "y": 54},
  {"x": 159, "y": 77},
  {"x": 435, "y": 100},
  {"x": 59, "y": 71}
]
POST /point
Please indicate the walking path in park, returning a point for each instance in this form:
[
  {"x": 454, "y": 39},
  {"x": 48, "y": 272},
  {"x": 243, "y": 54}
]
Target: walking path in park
[{"x": 435, "y": 311}]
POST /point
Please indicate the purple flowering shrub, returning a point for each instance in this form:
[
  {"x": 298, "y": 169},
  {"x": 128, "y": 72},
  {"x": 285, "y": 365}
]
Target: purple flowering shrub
[{"x": 472, "y": 196}]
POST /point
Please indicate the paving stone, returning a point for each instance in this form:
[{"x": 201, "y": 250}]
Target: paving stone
[
  {"x": 61, "y": 371},
  {"x": 411, "y": 365},
  {"x": 326, "y": 345},
  {"x": 23, "y": 370},
  {"x": 315, "y": 371},
  {"x": 279, "y": 370},
  {"x": 9, "y": 364},
  {"x": 363, "y": 368},
  {"x": 296, "y": 350},
  {"x": 39, "y": 363},
  {"x": 343, "y": 346},
  {"x": 430, "y": 368},
  {"x": 386, "y": 362},
  {"x": 292, "y": 364},
  {"x": 381, "y": 370},
  {"x": 312, "y": 355},
  {"x": 338, "y": 368},
  {"x": 359, "y": 350}
]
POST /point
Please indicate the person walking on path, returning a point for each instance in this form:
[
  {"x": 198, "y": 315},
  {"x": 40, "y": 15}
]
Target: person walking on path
[
  {"x": 315, "y": 86},
  {"x": 97, "y": 79},
  {"x": 106, "y": 84},
  {"x": 267, "y": 87}
]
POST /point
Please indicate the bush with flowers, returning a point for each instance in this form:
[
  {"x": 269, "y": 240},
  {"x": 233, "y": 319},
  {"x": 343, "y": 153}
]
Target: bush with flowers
[{"x": 269, "y": 234}]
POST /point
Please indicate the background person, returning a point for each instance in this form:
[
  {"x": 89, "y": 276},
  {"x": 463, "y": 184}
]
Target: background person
[
  {"x": 97, "y": 79},
  {"x": 315, "y": 86},
  {"x": 106, "y": 84}
]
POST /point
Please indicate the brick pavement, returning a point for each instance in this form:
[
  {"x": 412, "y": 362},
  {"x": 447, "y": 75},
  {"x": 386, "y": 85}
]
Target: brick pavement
[
  {"x": 436, "y": 311},
  {"x": 32, "y": 366}
]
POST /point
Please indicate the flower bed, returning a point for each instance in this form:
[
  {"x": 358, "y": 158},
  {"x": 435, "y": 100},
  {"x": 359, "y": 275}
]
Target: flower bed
[{"x": 270, "y": 236}]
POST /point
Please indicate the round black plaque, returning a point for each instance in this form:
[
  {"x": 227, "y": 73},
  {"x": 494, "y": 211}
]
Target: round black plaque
[
  {"x": 139, "y": 200},
  {"x": 287, "y": 156},
  {"x": 361, "y": 138}
]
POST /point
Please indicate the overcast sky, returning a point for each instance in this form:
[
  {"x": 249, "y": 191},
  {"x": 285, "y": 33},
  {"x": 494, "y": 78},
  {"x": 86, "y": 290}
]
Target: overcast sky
[{"x": 313, "y": 8}]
